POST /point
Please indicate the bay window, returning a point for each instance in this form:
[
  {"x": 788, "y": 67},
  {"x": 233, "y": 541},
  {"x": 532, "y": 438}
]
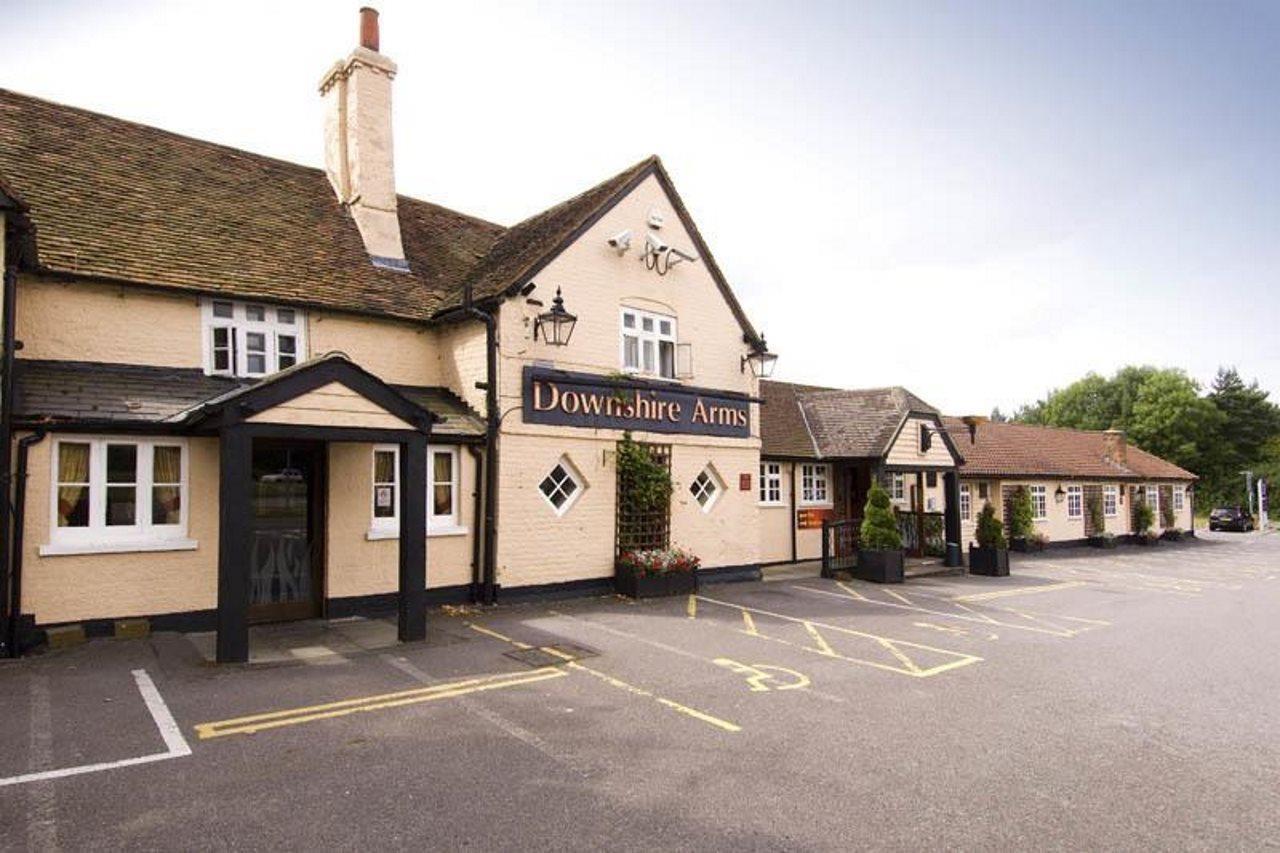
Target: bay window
[
  {"x": 251, "y": 339},
  {"x": 648, "y": 343},
  {"x": 118, "y": 494}
]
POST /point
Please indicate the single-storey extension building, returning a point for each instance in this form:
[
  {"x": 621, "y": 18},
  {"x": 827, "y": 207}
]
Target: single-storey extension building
[
  {"x": 1063, "y": 470},
  {"x": 821, "y": 448}
]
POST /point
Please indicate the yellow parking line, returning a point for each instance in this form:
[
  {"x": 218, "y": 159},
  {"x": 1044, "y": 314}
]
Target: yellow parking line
[
  {"x": 612, "y": 681},
  {"x": 750, "y": 623},
  {"x": 823, "y": 645},
  {"x": 310, "y": 713},
  {"x": 898, "y": 596},
  {"x": 692, "y": 607},
  {"x": 1024, "y": 590}
]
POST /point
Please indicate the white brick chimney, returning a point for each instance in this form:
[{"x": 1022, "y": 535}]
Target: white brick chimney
[{"x": 358, "y": 153}]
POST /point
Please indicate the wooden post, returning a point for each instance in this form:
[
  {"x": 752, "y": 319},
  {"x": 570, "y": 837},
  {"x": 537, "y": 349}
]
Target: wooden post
[
  {"x": 235, "y": 543},
  {"x": 920, "y": 505},
  {"x": 413, "y": 539}
]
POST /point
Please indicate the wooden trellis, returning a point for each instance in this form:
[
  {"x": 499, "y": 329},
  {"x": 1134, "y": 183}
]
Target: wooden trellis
[{"x": 638, "y": 530}]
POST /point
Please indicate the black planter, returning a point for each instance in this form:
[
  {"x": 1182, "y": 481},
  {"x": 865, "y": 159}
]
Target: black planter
[
  {"x": 627, "y": 581},
  {"x": 1148, "y": 540},
  {"x": 880, "y": 566},
  {"x": 1102, "y": 541},
  {"x": 992, "y": 562},
  {"x": 1172, "y": 536}
]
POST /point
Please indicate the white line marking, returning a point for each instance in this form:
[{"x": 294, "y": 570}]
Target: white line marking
[{"x": 175, "y": 744}]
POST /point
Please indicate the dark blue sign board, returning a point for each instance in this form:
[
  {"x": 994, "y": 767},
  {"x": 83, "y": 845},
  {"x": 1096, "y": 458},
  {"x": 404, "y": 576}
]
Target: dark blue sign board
[{"x": 562, "y": 398}]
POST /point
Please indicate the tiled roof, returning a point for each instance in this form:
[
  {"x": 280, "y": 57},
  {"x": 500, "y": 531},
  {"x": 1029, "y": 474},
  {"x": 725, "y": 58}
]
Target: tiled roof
[
  {"x": 76, "y": 391},
  {"x": 1022, "y": 450},
  {"x": 121, "y": 201},
  {"x": 831, "y": 422}
]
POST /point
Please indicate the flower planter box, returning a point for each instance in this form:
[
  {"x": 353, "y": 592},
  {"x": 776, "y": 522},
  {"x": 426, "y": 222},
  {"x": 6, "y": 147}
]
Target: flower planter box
[
  {"x": 880, "y": 566},
  {"x": 1102, "y": 541},
  {"x": 629, "y": 582},
  {"x": 992, "y": 562},
  {"x": 1025, "y": 545}
]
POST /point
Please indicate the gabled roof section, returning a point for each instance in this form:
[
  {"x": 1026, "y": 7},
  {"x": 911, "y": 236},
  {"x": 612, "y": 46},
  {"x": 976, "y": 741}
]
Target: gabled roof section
[
  {"x": 525, "y": 249},
  {"x": 116, "y": 200},
  {"x": 1024, "y": 450},
  {"x": 119, "y": 201},
  {"x": 834, "y": 422}
]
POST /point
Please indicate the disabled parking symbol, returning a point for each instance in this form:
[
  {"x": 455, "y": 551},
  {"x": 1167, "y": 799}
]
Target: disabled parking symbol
[{"x": 762, "y": 678}]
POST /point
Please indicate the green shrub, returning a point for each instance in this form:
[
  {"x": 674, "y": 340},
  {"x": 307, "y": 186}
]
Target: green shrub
[
  {"x": 1022, "y": 517},
  {"x": 1093, "y": 506},
  {"x": 990, "y": 531},
  {"x": 879, "y": 530},
  {"x": 1166, "y": 513},
  {"x": 645, "y": 481},
  {"x": 1143, "y": 517}
]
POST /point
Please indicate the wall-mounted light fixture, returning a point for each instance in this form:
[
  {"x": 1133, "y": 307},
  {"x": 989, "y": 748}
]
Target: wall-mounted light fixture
[
  {"x": 556, "y": 325},
  {"x": 1059, "y": 495},
  {"x": 760, "y": 359}
]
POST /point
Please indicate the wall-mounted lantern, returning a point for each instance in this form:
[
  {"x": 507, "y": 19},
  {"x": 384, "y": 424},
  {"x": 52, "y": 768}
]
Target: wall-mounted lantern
[
  {"x": 1059, "y": 495},
  {"x": 556, "y": 324},
  {"x": 760, "y": 359}
]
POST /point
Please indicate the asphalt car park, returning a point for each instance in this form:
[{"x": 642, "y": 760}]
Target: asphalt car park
[{"x": 1121, "y": 699}]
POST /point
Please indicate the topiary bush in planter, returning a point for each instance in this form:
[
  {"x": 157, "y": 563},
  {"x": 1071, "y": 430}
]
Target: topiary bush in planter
[
  {"x": 1022, "y": 519},
  {"x": 1143, "y": 518},
  {"x": 991, "y": 555},
  {"x": 880, "y": 543}
]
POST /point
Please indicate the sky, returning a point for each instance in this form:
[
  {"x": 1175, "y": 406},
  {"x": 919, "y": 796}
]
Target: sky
[{"x": 980, "y": 201}]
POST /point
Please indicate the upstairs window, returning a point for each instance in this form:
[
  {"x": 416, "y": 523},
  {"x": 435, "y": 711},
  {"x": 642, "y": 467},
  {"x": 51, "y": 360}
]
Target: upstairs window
[
  {"x": 250, "y": 338},
  {"x": 648, "y": 343}
]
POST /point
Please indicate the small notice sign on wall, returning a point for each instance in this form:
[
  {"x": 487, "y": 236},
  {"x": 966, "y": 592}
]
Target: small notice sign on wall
[
  {"x": 382, "y": 497},
  {"x": 808, "y": 519},
  {"x": 744, "y": 482}
]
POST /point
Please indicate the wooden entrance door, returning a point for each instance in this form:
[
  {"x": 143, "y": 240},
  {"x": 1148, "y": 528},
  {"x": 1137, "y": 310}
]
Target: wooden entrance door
[{"x": 286, "y": 568}]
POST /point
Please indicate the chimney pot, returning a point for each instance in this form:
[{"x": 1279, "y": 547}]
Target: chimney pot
[{"x": 369, "y": 28}]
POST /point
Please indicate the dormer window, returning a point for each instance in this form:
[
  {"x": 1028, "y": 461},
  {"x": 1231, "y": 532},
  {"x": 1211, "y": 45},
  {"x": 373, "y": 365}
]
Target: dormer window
[{"x": 251, "y": 338}]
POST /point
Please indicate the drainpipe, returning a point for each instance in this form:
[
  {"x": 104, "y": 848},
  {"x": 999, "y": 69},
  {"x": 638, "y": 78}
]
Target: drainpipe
[
  {"x": 6, "y": 439},
  {"x": 488, "y": 586},
  {"x": 476, "y": 510},
  {"x": 19, "y": 522}
]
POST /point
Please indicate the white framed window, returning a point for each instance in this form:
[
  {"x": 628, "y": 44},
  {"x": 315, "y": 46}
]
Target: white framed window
[
  {"x": 814, "y": 485},
  {"x": 442, "y": 489},
  {"x": 1039, "y": 505},
  {"x": 1075, "y": 502},
  {"x": 1153, "y": 501},
  {"x": 707, "y": 488},
  {"x": 648, "y": 343},
  {"x": 250, "y": 338},
  {"x": 1110, "y": 501},
  {"x": 771, "y": 483},
  {"x": 966, "y": 501},
  {"x": 386, "y": 489},
  {"x": 561, "y": 486},
  {"x": 898, "y": 487},
  {"x": 118, "y": 494},
  {"x": 442, "y": 492},
  {"x": 1179, "y": 498}
]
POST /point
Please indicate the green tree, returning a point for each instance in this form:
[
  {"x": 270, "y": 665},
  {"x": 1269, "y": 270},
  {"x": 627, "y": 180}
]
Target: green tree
[
  {"x": 1250, "y": 422},
  {"x": 879, "y": 531},
  {"x": 1172, "y": 420}
]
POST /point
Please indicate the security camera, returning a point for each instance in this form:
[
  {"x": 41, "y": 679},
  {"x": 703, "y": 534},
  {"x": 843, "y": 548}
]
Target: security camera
[
  {"x": 621, "y": 242},
  {"x": 682, "y": 256},
  {"x": 656, "y": 219},
  {"x": 654, "y": 244}
]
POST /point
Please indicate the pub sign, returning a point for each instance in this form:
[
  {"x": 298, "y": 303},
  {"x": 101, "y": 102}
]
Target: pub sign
[{"x": 586, "y": 400}]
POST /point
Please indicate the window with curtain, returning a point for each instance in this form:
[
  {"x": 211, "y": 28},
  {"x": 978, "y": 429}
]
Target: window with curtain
[
  {"x": 115, "y": 492},
  {"x": 442, "y": 491}
]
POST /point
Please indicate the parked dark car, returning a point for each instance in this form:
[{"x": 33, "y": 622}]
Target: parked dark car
[{"x": 1231, "y": 518}]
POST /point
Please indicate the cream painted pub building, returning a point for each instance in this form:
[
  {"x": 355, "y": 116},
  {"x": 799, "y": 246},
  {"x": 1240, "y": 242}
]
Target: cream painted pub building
[{"x": 238, "y": 389}]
